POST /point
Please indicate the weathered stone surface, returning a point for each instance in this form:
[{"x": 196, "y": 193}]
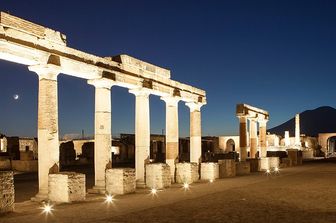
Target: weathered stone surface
[
  {"x": 254, "y": 164},
  {"x": 25, "y": 166},
  {"x": 264, "y": 164},
  {"x": 285, "y": 162},
  {"x": 209, "y": 171},
  {"x": 5, "y": 164},
  {"x": 120, "y": 181},
  {"x": 227, "y": 168},
  {"x": 66, "y": 187},
  {"x": 158, "y": 175},
  {"x": 274, "y": 162},
  {"x": 26, "y": 155},
  {"x": 7, "y": 193},
  {"x": 293, "y": 156},
  {"x": 187, "y": 172},
  {"x": 308, "y": 154},
  {"x": 242, "y": 168}
]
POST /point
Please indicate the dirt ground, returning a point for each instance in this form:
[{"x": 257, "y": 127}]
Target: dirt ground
[{"x": 299, "y": 194}]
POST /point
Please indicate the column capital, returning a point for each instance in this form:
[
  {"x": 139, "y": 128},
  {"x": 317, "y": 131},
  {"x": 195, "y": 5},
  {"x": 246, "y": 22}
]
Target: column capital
[
  {"x": 171, "y": 100},
  {"x": 101, "y": 83},
  {"x": 140, "y": 92},
  {"x": 46, "y": 71},
  {"x": 194, "y": 106},
  {"x": 242, "y": 118},
  {"x": 262, "y": 122}
]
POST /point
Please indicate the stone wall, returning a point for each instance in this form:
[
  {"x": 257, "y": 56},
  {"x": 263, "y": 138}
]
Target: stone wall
[
  {"x": 209, "y": 171},
  {"x": 7, "y": 193},
  {"x": 120, "y": 181},
  {"x": 158, "y": 175},
  {"x": 227, "y": 168},
  {"x": 5, "y": 164},
  {"x": 242, "y": 168},
  {"x": 66, "y": 187},
  {"x": 187, "y": 173},
  {"x": 25, "y": 166}
]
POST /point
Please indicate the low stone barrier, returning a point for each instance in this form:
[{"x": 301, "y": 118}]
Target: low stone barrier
[
  {"x": 285, "y": 162},
  {"x": 5, "y": 164},
  {"x": 243, "y": 168},
  {"x": 120, "y": 181},
  {"x": 264, "y": 163},
  {"x": 158, "y": 175},
  {"x": 274, "y": 162},
  {"x": 7, "y": 193},
  {"x": 25, "y": 166},
  {"x": 187, "y": 172},
  {"x": 66, "y": 187},
  {"x": 227, "y": 168},
  {"x": 209, "y": 171}
]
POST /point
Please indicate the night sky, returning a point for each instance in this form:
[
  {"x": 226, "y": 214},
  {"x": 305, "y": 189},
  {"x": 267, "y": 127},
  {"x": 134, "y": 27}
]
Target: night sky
[{"x": 279, "y": 55}]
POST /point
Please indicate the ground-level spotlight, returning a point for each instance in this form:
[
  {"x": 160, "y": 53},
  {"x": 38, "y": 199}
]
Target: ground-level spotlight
[
  {"x": 153, "y": 191},
  {"x": 268, "y": 172},
  {"x": 47, "y": 209},
  {"x": 211, "y": 180},
  {"x": 109, "y": 199},
  {"x": 276, "y": 170},
  {"x": 186, "y": 186}
]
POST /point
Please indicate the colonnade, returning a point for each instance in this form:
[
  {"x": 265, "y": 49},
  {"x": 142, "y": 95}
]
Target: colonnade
[
  {"x": 48, "y": 135},
  {"x": 252, "y": 116}
]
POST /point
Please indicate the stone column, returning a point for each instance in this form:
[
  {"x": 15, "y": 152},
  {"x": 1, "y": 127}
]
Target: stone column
[
  {"x": 47, "y": 130},
  {"x": 195, "y": 132},
  {"x": 103, "y": 135},
  {"x": 253, "y": 138},
  {"x": 287, "y": 140},
  {"x": 142, "y": 134},
  {"x": 297, "y": 130},
  {"x": 243, "y": 137},
  {"x": 262, "y": 138},
  {"x": 172, "y": 133}
]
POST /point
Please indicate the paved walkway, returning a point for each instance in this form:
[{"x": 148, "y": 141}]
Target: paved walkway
[{"x": 300, "y": 194}]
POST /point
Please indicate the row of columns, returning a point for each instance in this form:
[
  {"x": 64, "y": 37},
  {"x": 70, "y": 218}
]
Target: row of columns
[
  {"x": 253, "y": 137},
  {"x": 48, "y": 135}
]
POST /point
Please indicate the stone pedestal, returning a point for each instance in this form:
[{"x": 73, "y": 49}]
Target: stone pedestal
[
  {"x": 209, "y": 171},
  {"x": 293, "y": 156},
  {"x": 285, "y": 162},
  {"x": 158, "y": 175},
  {"x": 187, "y": 172},
  {"x": 308, "y": 154},
  {"x": 66, "y": 187},
  {"x": 254, "y": 164},
  {"x": 227, "y": 168},
  {"x": 274, "y": 162},
  {"x": 242, "y": 168},
  {"x": 120, "y": 181},
  {"x": 7, "y": 193},
  {"x": 264, "y": 164}
]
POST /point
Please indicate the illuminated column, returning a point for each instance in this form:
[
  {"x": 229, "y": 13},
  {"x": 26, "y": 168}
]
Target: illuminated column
[
  {"x": 47, "y": 130},
  {"x": 287, "y": 140},
  {"x": 195, "y": 132},
  {"x": 172, "y": 133},
  {"x": 142, "y": 134},
  {"x": 243, "y": 137},
  {"x": 253, "y": 138},
  {"x": 297, "y": 130},
  {"x": 262, "y": 138},
  {"x": 103, "y": 136}
]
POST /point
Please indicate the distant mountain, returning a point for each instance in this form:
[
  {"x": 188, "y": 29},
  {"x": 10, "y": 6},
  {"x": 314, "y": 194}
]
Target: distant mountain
[{"x": 312, "y": 122}]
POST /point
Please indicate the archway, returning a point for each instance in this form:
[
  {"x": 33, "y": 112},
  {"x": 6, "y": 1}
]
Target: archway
[
  {"x": 331, "y": 146},
  {"x": 230, "y": 145}
]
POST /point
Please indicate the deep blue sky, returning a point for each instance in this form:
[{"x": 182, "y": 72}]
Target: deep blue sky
[{"x": 279, "y": 55}]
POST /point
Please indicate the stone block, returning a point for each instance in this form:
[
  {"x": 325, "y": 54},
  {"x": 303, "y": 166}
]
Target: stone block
[
  {"x": 308, "y": 154},
  {"x": 120, "y": 181},
  {"x": 25, "y": 165},
  {"x": 242, "y": 168},
  {"x": 293, "y": 156},
  {"x": 227, "y": 168},
  {"x": 5, "y": 164},
  {"x": 264, "y": 163},
  {"x": 274, "y": 162},
  {"x": 187, "y": 173},
  {"x": 27, "y": 155},
  {"x": 7, "y": 193},
  {"x": 158, "y": 175},
  {"x": 254, "y": 164},
  {"x": 285, "y": 162},
  {"x": 209, "y": 171},
  {"x": 66, "y": 187}
]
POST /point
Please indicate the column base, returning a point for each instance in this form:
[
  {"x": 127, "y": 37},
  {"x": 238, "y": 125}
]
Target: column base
[
  {"x": 140, "y": 184},
  {"x": 39, "y": 197},
  {"x": 97, "y": 190}
]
